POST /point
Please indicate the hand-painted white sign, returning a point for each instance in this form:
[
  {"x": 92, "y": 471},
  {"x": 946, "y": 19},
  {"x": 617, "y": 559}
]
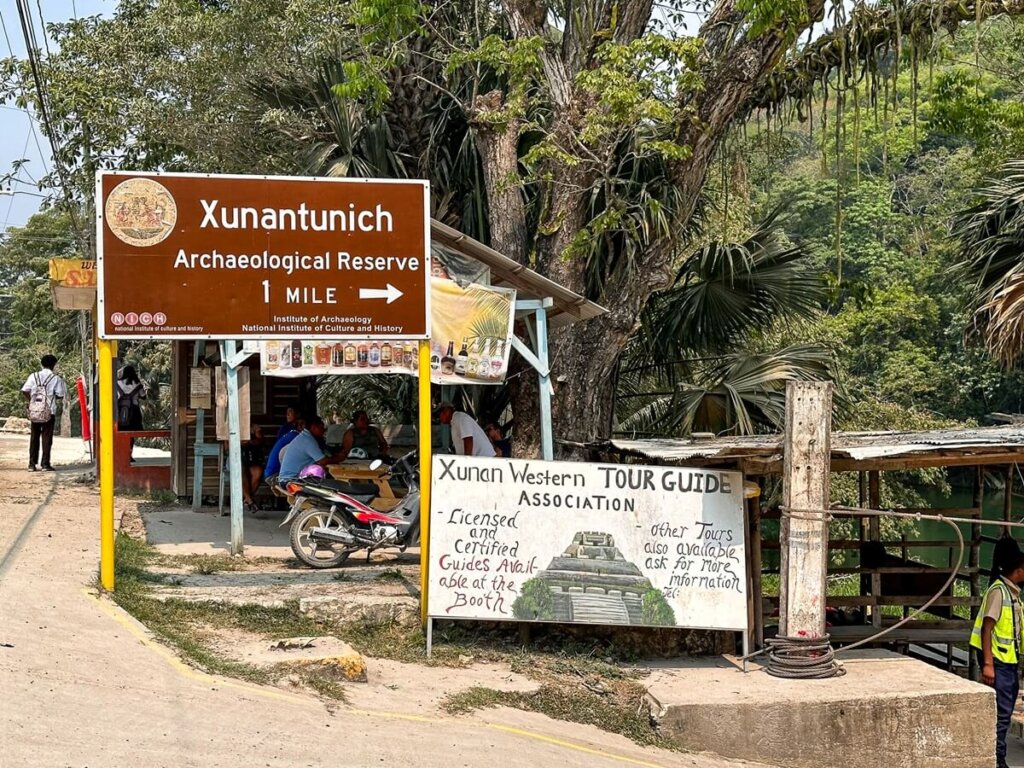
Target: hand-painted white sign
[{"x": 586, "y": 543}]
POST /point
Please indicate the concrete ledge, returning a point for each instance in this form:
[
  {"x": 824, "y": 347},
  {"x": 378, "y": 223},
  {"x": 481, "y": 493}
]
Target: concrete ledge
[
  {"x": 371, "y": 609},
  {"x": 886, "y": 710}
]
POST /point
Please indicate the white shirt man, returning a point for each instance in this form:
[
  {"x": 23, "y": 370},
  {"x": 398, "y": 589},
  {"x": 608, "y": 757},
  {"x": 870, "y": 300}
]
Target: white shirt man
[
  {"x": 468, "y": 437},
  {"x": 41, "y": 440}
]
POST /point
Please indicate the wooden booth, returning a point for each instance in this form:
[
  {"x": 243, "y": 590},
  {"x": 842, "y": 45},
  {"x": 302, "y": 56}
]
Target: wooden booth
[{"x": 877, "y": 574}]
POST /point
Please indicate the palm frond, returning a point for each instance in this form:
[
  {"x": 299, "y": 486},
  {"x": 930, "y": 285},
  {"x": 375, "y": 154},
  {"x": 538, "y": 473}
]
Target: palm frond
[{"x": 991, "y": 237}]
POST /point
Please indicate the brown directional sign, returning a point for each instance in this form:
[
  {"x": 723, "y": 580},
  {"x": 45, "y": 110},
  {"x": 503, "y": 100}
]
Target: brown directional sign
[{"x": 190, "y": 256}]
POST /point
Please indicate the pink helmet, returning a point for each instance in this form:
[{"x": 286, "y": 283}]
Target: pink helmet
[{"x": 313, "y": 470}]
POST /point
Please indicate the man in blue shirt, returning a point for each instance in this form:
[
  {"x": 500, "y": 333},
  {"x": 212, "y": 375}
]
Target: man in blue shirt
[
  {"x": 273, "y": 467},
  {"x": 304, "y": 450}
]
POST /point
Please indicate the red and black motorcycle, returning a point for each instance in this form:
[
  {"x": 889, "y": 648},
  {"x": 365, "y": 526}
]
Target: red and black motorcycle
[{"x": 330, "y": 520}]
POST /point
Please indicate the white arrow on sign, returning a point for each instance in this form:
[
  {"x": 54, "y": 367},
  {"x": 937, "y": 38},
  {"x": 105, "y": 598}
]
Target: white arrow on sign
[{"x": 390, "y": 293}]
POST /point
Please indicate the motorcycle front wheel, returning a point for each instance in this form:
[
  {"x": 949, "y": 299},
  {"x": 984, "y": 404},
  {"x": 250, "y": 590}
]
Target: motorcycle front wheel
[{"x": 317, "y": 554}]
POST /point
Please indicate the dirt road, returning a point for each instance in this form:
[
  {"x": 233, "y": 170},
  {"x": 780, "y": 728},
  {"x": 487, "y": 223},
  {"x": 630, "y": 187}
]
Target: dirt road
[{"x": 81, "y": 684}]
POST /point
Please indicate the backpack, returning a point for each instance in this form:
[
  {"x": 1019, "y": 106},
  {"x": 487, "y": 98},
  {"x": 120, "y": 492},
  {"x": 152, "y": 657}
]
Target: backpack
[{"x": 38, "y": 403}]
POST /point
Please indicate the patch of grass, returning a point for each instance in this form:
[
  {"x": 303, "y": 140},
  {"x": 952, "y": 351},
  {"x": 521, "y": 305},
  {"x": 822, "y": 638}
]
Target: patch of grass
[
  {"x": 392, "y": 574},
  {"x": 616, "y": 709},
  {"x": 163, "y": 496},
  {"x": 329, "y": 689},
  {"x": 472, "y": 699},
  {"x": 205, "y": 564}
]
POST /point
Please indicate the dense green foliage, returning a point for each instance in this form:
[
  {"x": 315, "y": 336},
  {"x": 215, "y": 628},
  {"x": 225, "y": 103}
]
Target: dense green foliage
[{"x": 874, "y": 213}]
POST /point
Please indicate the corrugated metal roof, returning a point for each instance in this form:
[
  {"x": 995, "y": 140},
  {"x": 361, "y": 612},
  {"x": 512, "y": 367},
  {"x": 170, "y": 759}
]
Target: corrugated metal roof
[
  {"x": 846, "y": 446},
  {"x": 569, "y": 307}
]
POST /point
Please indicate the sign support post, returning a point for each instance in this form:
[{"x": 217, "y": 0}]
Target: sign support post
[
  {"x": 227, "y": 355},
  {"x": 547, "y": 448},
  {"x": 107, "y": 351},
  {"x": 425, "y": 464}
]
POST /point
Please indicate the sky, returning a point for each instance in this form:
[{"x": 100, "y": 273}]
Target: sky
[{"x": 17, "y": 139}]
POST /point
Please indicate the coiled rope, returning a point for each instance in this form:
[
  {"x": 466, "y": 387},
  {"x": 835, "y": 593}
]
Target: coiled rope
[{"x": 802, "y": 658}]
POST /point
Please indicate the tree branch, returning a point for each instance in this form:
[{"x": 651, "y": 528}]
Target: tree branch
[
  {"x": 871, "y": 32},
  {"x": 528, "y": 18}
]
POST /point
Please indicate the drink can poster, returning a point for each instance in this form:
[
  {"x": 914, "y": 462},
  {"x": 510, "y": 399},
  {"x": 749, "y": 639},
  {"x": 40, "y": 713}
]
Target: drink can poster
[
  {"x": 470, "y": 332},
  {"x": 583, "y": 543}
]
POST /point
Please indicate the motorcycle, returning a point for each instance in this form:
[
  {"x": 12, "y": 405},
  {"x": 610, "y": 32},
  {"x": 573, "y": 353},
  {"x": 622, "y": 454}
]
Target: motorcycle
[{"x": 330, "y": 521}]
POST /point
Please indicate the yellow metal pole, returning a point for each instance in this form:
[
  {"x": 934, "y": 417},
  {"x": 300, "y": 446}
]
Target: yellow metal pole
[
  {"x": 107, "y": 352},
  {"x": 425, "y": 459}
]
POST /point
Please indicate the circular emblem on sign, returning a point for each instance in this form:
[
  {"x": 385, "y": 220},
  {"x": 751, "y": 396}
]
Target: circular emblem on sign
[
  {"x": 159, "y": 318},
  {"x": 117, "y": 318},
  {"x": 131, "y": 318},
  {"x": 141, "y": 212},
  {"x": 145, "y": 318}
]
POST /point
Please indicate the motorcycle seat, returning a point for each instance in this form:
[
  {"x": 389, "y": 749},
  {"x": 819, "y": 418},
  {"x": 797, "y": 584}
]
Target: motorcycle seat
[{"x": 349, "y": 489}]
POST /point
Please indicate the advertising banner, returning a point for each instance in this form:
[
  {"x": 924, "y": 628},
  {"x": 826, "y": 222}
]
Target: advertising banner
[
  {"x": 201, "y": 256},
  {"x": 73, "y": 283},
  {"x": 470, "y": 330},
  {"x": 586, "y": 543}
]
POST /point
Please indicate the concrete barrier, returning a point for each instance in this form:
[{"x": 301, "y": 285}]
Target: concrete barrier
[{"x": 887, "y": 710}]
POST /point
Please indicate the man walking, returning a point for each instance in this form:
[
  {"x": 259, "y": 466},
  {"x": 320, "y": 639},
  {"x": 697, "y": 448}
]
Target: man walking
[{"x": 44, "y": 393}]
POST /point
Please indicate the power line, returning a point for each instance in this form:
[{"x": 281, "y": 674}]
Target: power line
[
  {"x": 28, "y": 32},
  {"x": 10, "y": 48},
  {"x": 10, "y": 206},
  {"x": 42, "y": 26}
]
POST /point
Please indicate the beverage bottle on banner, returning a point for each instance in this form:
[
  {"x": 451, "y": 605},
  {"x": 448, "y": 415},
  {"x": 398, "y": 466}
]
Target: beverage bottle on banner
[
  {"x": 308, "y": 355},
  {"x": 272, "y": 351},
  {"x": 385, "y": 354},
  {"x": 337, "y": 355},
  {"x": 362, "y": 354},
  {"x": 350, "y": 354},
  {"x": 284, "y": 354},
  {"x": 435, "y": 356},
  {"x": 323, "y": 354},
  {"x": 498, "y": 361},
  {"x": 408, "y": 356},
  {"x": 462, "y": 358},
  {"x": 374, "y": 355},
  {"x": 448, "y": 361},
  {"x": 483, "y": 366},
  {"x": 474, "y": 358},
  {"x": 296, "y": 354}
]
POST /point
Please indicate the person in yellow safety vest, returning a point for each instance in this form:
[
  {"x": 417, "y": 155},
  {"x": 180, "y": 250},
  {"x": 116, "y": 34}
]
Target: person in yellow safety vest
[{"x": 997, "y": 636}]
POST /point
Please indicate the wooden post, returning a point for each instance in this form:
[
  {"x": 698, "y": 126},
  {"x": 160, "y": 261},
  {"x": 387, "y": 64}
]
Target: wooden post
[
  {"x": 875, "y": 528},
  {"x": 1008, "y": 498},
  {"x": 974, "y": 557},
  {"x": 805, "y": 493},
  {"x": 756, "y": 588}
]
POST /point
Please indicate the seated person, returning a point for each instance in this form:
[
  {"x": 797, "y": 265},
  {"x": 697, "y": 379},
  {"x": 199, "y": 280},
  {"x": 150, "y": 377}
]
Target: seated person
[
  {"x": 252, "y": 466},
  {"x": 502, "y": 445},
  {"x": 273, "y": 466},
  {"x": 291, "y": 418},
  {"x": 365, "y": 437},
  {"x": 335, "y": 433},
  {"x": 304, "y": 450}
]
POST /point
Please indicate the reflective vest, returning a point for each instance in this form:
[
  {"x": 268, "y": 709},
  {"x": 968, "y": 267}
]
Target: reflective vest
[{"x": 1006, "y": 633}]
